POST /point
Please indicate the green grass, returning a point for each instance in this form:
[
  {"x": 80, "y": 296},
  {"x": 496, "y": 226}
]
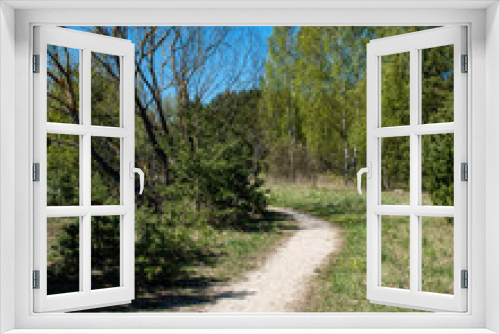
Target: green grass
[
  {"x": 395, "y": 252},
  {"x": 244, "y": 249},
  {"x": 340, "y": 285}
]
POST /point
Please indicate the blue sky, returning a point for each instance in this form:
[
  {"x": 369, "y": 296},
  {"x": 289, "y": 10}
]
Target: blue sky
[{"x": 262, "y": 33}]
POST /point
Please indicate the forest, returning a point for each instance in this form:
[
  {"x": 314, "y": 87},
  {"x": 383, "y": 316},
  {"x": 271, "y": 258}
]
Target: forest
[{"x": 220, "y": 113}]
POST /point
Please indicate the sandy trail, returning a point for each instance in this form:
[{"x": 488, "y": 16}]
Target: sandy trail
[{"x": 284, "y": 277}]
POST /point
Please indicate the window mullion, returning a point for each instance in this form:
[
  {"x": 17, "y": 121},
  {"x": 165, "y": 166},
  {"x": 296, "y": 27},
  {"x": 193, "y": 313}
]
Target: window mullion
[
  {"x": 85, "y": 246},
  {"x": 415, "y": 252},
  {"x": 80, "y": 177}
]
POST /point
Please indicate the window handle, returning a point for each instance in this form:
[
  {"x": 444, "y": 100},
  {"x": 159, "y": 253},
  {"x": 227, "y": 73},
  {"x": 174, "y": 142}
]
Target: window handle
[
  {"x": 139, "y": 171},
  {"x": 368, "y": 171}
]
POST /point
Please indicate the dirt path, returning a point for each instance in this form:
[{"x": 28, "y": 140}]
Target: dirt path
[{"x": 283, "y": 279}]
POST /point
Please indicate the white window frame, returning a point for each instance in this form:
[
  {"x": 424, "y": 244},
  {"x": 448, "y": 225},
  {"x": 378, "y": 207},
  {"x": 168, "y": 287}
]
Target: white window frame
[
  {"x": 413, "y": 43},
  {"x": 85, "y": 43},
  {"x": 482, "y": 19}
]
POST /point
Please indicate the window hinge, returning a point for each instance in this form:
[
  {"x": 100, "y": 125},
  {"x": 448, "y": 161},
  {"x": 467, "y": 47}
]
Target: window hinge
[
  {"x": 464, "y": 171},
  {"x": 36, "y": 172},
  {"x": 465, "y": 279},
  {"x": 36, "y": 63},
  {"x": 36, "y": 279},
  {"x": 465, "y": 63}
]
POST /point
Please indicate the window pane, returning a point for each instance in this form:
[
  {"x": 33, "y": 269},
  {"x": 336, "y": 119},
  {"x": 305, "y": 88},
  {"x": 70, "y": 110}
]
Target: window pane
[
  {"x": 437, "y": 84},
  {"x": 395, "y": 86},
  {"x": 395, "y": 167},
  {"x": 395, "y": 238},
  {"x": 105, "y": 252},
  {"x": 437, "y": 255},
  {"x": 63, "y": 255},
  {"x": 63, "y": 169},
  {"x": 105, "y": 89},
  {"x": 63, "y": 88},
  {"x": 437, "y": 169},
  {"x": 105, "y": 171}
]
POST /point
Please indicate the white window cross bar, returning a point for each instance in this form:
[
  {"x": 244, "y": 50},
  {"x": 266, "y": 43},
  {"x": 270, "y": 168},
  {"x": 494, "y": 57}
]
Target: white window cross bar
[
  {"x": 422, "y": 129},
  {"x": 95, "y": 131}
]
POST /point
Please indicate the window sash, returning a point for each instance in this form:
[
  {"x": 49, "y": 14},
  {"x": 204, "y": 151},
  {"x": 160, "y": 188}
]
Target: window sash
[
  {"x": 413, "y": 43},
  {"x": 86, "y": 297}
]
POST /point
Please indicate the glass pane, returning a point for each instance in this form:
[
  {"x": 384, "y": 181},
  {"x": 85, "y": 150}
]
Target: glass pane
[
  {"x": 437, "y": 84},
  {"x": 395, "y": 167},
  {"x": 437, "y": 255},
  {"x": 105, "y": 89},
  {"x": 395, "y": 236},
  {"x": 63, "y": 255},
  {"x": 395, "y": 86},
  {"x": 63, "y": 84},
  {"x": 437, "y": 169},
  {"x": 63, "y": 169},
  {"x": 105, "y": 171},
  {"x": 105, "y": 252}
]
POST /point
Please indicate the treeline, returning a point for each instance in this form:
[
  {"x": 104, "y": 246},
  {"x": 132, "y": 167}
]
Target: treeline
[{"x": 314, "y": 107}]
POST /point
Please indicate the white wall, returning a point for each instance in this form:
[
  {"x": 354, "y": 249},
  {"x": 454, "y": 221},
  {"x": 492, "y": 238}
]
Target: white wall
[
  {"x": 492, "y": 165},
  {"x": 7, "y": 161},
  {"x": 279, "y": 16}
]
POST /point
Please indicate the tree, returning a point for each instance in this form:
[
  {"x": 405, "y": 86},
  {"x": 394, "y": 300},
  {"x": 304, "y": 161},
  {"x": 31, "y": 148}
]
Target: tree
[
  {"x": 319, "y": 95},
  {"x": 437, "y": 107},
  {"x": 195, "y": 178},
  {"x": 279, "y": 110}
]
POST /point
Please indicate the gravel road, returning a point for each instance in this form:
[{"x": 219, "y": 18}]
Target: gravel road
[{"x": 284, "y": 277}]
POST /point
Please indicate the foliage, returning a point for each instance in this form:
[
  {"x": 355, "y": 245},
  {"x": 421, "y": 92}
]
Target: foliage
[
  {"x": 314, "y": 99},
  {"x": 437, "y": 107},
  {"x": 163, "y": 248},
  {"x": 279, "y": 112}
]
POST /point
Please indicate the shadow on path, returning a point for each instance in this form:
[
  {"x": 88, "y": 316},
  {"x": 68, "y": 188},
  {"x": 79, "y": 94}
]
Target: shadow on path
[{"x": 193, "y": 292}]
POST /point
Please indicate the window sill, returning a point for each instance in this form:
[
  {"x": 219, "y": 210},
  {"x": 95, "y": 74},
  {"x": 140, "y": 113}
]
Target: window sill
[{"x": 251, "y": 331}]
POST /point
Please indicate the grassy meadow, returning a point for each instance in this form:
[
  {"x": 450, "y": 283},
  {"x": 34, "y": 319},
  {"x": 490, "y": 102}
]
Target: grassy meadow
[{"x": 340, "y": 285}]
